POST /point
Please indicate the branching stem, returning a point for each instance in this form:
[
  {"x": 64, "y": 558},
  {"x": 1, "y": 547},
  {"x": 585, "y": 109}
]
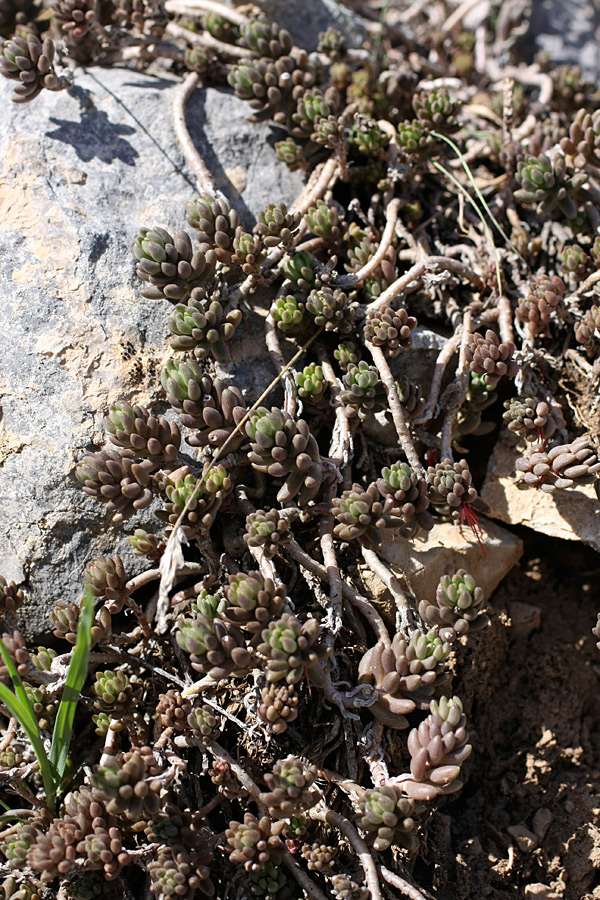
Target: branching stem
[
  {"x": 389, "y": 383},
  {"x": 322, "y": 813}
]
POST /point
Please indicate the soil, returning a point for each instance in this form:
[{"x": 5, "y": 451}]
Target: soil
[{"x": 535, "y": 729}]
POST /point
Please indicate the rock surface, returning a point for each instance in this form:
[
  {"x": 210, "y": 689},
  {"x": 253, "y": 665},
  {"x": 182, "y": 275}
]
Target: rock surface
[
  {"x": 305, "y": 20},
  {"x": 81, "y": 171},
  {"x": 420, "y": 565},
  {"x": 573, "y": 514}
]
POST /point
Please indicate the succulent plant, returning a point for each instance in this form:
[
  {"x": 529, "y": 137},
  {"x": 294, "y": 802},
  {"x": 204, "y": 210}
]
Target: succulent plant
[
  {"x": 291, "y": 153},
  {"x": 272, "y": 87},
  {"x": 175, "y": 872},
  {"x": 203, "y": 723},
  {"x": 42, "y": 658},
  {"x": 587, "y": 331},
  {"x": 332, "y": 43},
  {"x": 301, "y": 270},
  {"x": 253, "y": 601},
  {"x": 330, "y": 131},
  {"x": 275, "y": 225},
  {"x": 366, "y": 135},
  {"x": 284, "y": 448},
  {"x": 270, "y": 882},
  {"x": 53, "y": 853},
  {"x": 363, "y": 390},
  {"x": 278, "y": 707},
  {"x": 214, "y": 408},
  {"x": 114, "y": 693},
  {"x": 311, "y": 382},
  {"x": 268, "y": 530},
  {"x": 203, "y": 327},
  {"x": 11, "y": 597},
  {"x": 292, "y": 649},
  {"x": 387, "y": 817},
  {"x": 194, "y": 495},
  {"x": 544, "y": 300},
  {"x": 121, "y": 483},
  {"x": 126, "y": 786},
  {"x": 319, "y": 857},
  {"x": 545, "y": 183},
  {"x": 138, "y": 434},
  {"x": 389, "y": 329},
  {"x": 435, "y": 109},
  {"x": 221, "y": 28},
  {"x": 216, "y": 648},
  {"x": 249, "y": 252},
  {"x": 226, "y": 783},
  {"x": 413, "y": 138},
  {"x": 311, "y": 106},
  {"x": 206, "y": 64},
  {"x": 144, "y": 544},
  {"x": 409, "y": 395},
  {"x": 28, "y": 60},
  {"x": 265, "y": 38},
  {"x": 288, "y": 314},
  {"x": 561, "y": 466},
  {"x": 254, "y": 842},
  {"x": 16, "y": 846},
  {"x": 451, "y": 490},
  {"x": 583, "y": 143},
  {"x": 331, "y": 309},
  {"x": 75, "y": 17},
  {"x": 489, "y": 357},
  {"x": 362, "y": 512},
  {"x": 457, "y": 606},
  {"x": 529, "y": 418},
  {"x": 170, "y": 265},
  {"x": 438, "y": 748},
  {"x": 324, "y": 221},
  {"x": 173, "y": 710},
  {"x": 347, "y": 354},
  {"x": 216, "y": 224},
  {"x": 576, "y": 264},
  {"x": 15, "y": 646},
  {"x": 44, "y": 706},
  {"x": 15, "y": 13},
  {"x": 292, "y": 788},
  {"x": 65, "y": 617},
  {"x": 344, "y": 888}
]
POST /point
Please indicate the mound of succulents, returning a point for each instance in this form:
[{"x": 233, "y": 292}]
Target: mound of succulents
[{"x": 243, "y": 700}]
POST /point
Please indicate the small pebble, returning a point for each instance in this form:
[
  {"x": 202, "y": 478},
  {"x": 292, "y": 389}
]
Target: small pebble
[
  {"x": 524, "y": 839},
  {"x": 541, "y": 822}
]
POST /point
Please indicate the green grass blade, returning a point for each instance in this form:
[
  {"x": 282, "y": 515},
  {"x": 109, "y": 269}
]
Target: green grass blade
[
  {"x": 486, "y": 227},
  {"x": 480, "y": 196},
  {"x": 19, "y": 706},
  {"x": 76, "y": 675}
]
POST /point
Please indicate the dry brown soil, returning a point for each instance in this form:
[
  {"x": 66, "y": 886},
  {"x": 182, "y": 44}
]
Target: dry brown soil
[{"x": 535, "y": 727}]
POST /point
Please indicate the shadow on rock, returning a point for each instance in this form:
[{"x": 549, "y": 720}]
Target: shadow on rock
[{"x": 94, "y": 136}]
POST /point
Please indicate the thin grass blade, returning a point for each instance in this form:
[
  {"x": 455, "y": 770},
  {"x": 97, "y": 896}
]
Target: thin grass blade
[
  {"x": 76, "y": 675},
  {"x": 19, "y": 706}
]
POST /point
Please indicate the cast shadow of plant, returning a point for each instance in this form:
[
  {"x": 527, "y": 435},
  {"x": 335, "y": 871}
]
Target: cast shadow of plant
[{"x": 94, "y": 136}]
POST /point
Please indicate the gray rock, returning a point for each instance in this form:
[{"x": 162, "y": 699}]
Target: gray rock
[
  {"x": 81, "y": 172},
  {"x": 305, "y": 21},
  {"x": 569, "y": 30}
]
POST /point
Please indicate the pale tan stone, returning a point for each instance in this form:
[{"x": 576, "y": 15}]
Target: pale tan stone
[
  {"x": 572, "y": 514},
  {"x": 420, "y": 565},
  {"x": 523, "y": 838}
]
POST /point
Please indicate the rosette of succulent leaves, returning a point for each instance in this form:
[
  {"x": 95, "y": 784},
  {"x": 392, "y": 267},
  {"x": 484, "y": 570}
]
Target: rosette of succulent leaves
[{"x": 239, "y": 721}]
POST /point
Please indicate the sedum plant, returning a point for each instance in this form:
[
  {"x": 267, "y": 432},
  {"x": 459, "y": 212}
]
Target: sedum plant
[{"x": 195, "y": 750}]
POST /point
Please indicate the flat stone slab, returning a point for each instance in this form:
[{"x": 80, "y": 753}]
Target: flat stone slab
[
  {"x": 420, "y": 565},
  {"x": 572, "y": 514}
]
